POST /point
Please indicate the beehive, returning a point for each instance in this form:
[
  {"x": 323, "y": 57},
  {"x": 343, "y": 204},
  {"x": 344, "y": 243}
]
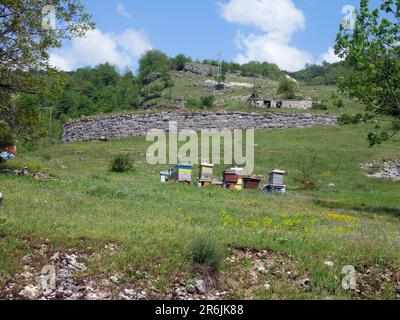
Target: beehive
[
  {"x": 233, "y": 175},
  {"x": 252, "y": 182},
  {"x": 164, "y": 176},
  {"x": 206, "y": 172},
  {"x": 276, "y": 178},
  {"x": 183, "y": 172}
]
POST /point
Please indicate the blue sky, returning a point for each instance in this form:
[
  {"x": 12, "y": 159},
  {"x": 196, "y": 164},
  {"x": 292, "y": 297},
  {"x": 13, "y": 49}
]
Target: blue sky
[{"x": 287, "y": 32}]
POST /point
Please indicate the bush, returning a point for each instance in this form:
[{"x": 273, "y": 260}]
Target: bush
[
  {"x": 306, "y": 170},
  {"x": 180, "y": 61},
  {"x": 193, "y": 104},
  {"x": 6, "y": 136},
  {"x": 204, "y": 102},
  {"x": 207, "y": 101},
  {"x": 346, "y": 119},
  {"x": 206, "y": 251},
  {"x": 121, "y": 163},
  {"x": 287, "y": 88},
  {"x": 337, "y": 101},
  {"x": 319, "y": 106}
]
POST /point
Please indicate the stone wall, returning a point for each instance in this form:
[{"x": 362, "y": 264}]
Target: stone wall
[{"x": 138, "y": 124}]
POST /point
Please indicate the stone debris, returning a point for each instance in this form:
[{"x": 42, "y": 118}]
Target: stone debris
[
  {"x": 305, "y": 284},
  {"x": 373, "y": 280},
  {"x": 231, "y": 84},
  {"x": 200, "y": 286},
  {"x": 383, "y": 170},
  {"x": 58, "y": 280},
  {"x": 114, "y": 279},
  {"x": 329, "y": 264},
  {"x": 267, "y": 286},
  {"x": 260, "y": 269},
  {"x": 31, "y": 292}
]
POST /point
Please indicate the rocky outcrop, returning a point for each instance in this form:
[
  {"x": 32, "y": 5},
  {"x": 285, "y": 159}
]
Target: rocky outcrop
[
  {"x": 138, "y": 124},
  {"x": 200, "y": 69},
  {"x": 384, "y": 170},
  {"x": 152, "y": 77}
]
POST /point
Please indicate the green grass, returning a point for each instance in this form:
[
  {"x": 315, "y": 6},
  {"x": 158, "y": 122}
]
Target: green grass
[{"x": 355, "y": 222}]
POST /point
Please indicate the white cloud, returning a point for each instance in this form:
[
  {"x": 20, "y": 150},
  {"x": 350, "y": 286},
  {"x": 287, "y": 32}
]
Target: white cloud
[
  {"x": 134, "y": 42},
  {"x": 278, "y": 20},
  {"x": 122, "y": 50},
  {"x": 329, "y": 57},
  {"x": 122, "y": 11},
  {"x": 266, "y": 48},
  {"x": 60, "y": 62}
]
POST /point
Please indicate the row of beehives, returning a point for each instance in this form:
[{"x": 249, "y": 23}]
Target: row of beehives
[{"x": 233, "y": 179}]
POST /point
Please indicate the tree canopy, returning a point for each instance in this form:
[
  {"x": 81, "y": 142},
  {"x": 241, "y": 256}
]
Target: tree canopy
[
  {"x": 372, "y": 49},
  {"x": 25, "y": 39}
]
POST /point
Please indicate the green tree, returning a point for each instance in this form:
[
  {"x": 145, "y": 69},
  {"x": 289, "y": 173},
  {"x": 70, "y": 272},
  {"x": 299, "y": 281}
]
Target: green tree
[
  {"x": 287, "y": 88},
  {"x": 151, "y": 62},
  {"x": 180, "y": 61},
  {"x": 106, "y": 75},
  {"x": 25, "y": 41},
  {"x": 372, "y": 50},
  {"x": 6, "y": 135}
]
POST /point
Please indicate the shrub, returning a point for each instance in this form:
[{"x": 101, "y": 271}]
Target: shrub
[
  {"x": 207, "y": 101},
  {"x": 206, "y": 251},
  {"x": 337, "y": 101},
  {"x": 6, "y": 136},
  {"x": 287, "y": 88},
  {"x": 346, "y": 119},
  {"x": 121, "y": 163},
  {"x": 204, "y": 102},
  {"x": 180, "y": 61},
  {"x": 319, "y": 106},
  {"x": 193, "y": 104},
  {"x": 306, "y": 169}
]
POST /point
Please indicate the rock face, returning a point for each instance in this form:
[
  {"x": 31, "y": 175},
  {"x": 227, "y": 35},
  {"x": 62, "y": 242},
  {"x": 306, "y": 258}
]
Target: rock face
[
  {"x": 131, "y": 125},
  {"x": 200, "y": 69},
  {"x": 152, "y": 77}
]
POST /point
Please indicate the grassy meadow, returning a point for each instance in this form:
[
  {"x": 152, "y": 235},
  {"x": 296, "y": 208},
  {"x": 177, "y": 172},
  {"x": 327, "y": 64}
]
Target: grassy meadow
[{"x": 347, "y": 219}]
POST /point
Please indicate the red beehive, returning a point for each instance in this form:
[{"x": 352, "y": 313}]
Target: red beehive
[
  {"x": 233, "y": 175},
  {"x": 252, "y": 182}
]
